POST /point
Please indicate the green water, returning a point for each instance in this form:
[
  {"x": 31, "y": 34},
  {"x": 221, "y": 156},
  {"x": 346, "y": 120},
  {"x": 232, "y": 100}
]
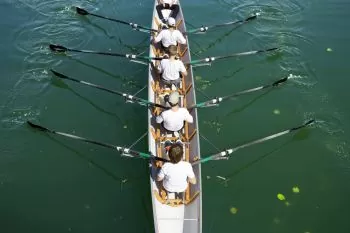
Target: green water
[{"x": 53, "y": 184}]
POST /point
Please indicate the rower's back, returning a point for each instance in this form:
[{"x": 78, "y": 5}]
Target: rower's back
[
  {"x": 173, "y": 119},
  {"x": 170, "y": 36},
  {"x": 177, "y": 172}
]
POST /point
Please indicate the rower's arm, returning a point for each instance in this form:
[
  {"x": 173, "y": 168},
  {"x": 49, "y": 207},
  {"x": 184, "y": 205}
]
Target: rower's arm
[
  {"x": 158, "y": 37},
  {"x": 183, "y": 70},
  {"x": 160, "y": 175},
  {"x": 191, "y": 177},
  {"x": 181, "y": 39},
  {"x": 159, "y": 119},
  {"x": 192, "y": 180}
]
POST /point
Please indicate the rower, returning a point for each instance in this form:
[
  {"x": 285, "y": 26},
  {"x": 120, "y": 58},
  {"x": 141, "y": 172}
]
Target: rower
[
  {"x": 169, "y": 5},
  {"x": 171, "y": 68},
  {"x": 170, "y": 36},
  {"x": 177, "y": 173},
  {"x": 173, "y": 119}
]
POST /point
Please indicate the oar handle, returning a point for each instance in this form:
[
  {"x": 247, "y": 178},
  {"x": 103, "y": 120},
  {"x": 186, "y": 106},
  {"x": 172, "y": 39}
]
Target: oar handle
[{"x": 133, "y": 25}]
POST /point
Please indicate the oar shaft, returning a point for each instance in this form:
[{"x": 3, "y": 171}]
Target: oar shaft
[
  {"x": 212, "y": 59},
  {"x": 226, "y": 153},
  {"x": 133, "y": 25},
  {"x": 206, "y": 28},
  {"x": 274, "y": 84},
  {"x": 234, "y": 22},
  {"x": 85, "y": 83},
  {"x": 239, "y": 54},
  {"x": 127, "y": 96},
  {"x": 126, "y": 151},
  {"x": 217, "y": 100},
  {"x": 60, "y": 48},
  {"x": 110, "y": 19},
  {"x": 96, "y": 52}
]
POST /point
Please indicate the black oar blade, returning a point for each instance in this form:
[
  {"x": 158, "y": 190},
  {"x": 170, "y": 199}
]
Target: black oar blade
[
  {"x": 81, "y": 11},
  {"x": 310, "y": 122},
  {"x": 59, "y": 74},
  {"x": 37, "y": 126},
  {"x": 250, "y": 18},
  {"x": 269, "y": 50},
  {"x": 302, "y": 126},
  {"x": 278, "y": 82},
  {"x": 58, "y": 48}
]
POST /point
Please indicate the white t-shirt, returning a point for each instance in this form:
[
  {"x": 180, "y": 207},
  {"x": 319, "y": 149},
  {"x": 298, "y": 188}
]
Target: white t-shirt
[
  {"x": 175, "y": 176},
  {"x": 170, "y": 69},
  {"x": 170, "y": 37},
  {"x": 174, "y": 120}
]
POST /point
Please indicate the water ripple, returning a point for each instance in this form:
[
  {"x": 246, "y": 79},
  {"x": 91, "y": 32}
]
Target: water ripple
[
  {"x": 18, "y": 116},
  {"x": 33, "y": 83},
  {"x": 45, "y": 8}
]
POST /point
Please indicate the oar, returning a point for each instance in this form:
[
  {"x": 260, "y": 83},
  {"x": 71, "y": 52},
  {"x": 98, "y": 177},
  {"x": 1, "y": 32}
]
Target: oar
[
  {"x": 211, "y": 59},
  {"x": 224, "y": 154},
  {"x": 62, "y": 49},
  {"x": 217, "y": 100},
  {"x": 133, "y": 25},
  {"x": 123, "y": 150},
  {"x": 205, "y": 28},
  {"x": 128, "y": 97}
]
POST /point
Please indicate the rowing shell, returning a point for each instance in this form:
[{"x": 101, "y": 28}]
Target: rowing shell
[{"x": 174, "y": 215}]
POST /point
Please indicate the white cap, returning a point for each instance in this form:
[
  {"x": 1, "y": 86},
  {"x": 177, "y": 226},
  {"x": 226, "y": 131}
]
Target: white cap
[
  {"x": 171, "y": 21},
  {"x": 174, "y": 98}
]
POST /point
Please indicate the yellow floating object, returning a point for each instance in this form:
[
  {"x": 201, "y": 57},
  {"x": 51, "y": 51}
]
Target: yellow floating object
[
  {"x": 281, "y": 197},
  {"x": 329, "y": 50},
  {"x": 233, "y": 210},
  {"x": 296, "y": 189},
  {"x": 276, "y": 111}
]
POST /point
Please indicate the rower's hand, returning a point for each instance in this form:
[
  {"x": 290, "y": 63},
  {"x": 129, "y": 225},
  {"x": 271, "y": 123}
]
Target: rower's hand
[{"x": 158, "y": 164}]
